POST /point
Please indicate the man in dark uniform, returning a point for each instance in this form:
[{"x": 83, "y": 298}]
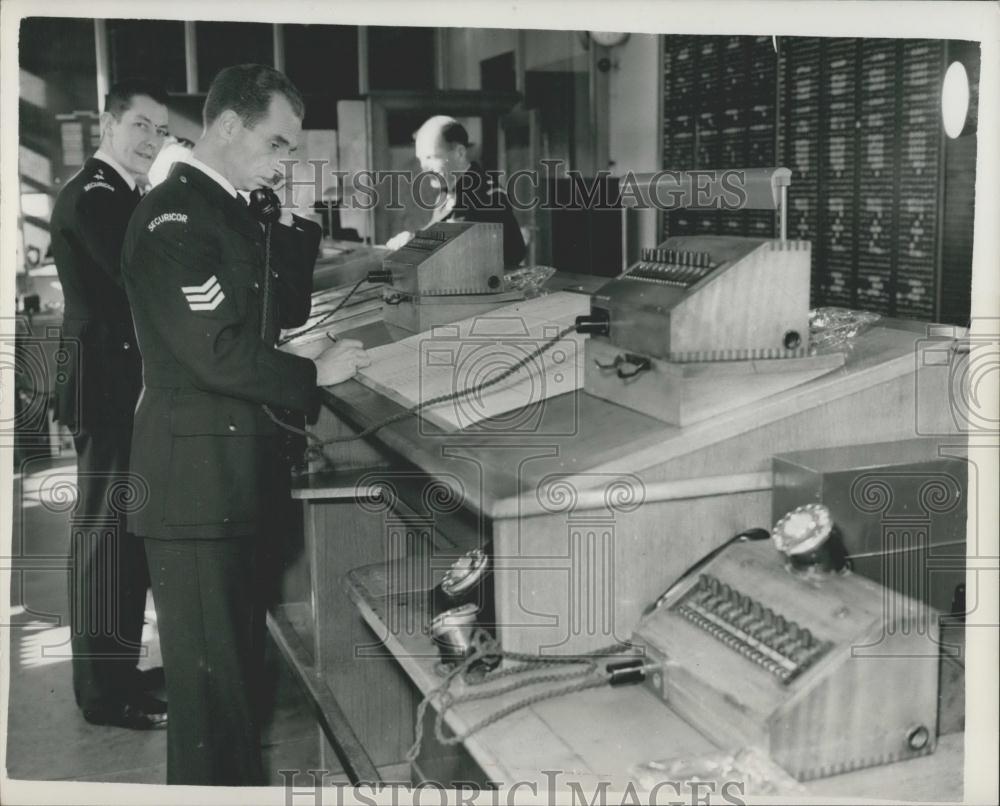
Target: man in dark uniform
[
  {"x": 207, "y": 312},
  {"x": 108, "y": 578},
  {"x": 465, "y": 192}
]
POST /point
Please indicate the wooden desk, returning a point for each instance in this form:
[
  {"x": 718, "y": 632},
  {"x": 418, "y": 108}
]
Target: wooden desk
[
  {"x": 595, "y": 737},
  {"x": 593, "y": 510},
  {"x": 560, "y": 497}
]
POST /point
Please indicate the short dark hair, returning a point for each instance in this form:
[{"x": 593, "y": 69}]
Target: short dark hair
[
  {"x": 119, "y": 97},
  {"x": 247, "y": 90}
]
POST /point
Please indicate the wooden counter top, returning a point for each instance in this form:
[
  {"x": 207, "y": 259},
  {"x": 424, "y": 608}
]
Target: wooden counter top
[{"x": 581, "y": 437}]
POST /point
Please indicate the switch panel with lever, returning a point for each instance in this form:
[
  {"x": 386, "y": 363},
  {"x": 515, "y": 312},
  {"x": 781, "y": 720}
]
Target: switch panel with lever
[
  {"x": 702, "y": 324},
  {"x": 824, "y": 670}
]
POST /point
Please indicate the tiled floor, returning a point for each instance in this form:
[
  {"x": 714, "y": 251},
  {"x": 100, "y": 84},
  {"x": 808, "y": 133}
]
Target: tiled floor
[{"x": 48, "y": 739}]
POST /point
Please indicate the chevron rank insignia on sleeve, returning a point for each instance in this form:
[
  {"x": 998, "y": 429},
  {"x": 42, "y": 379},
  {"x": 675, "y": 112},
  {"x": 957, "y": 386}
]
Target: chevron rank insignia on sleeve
[{"x": 205, "y": 297}]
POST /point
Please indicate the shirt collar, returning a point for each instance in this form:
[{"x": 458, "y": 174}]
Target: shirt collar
[
  {"x": 104, "y": 156},
  {"x": 224, "y": 183}
]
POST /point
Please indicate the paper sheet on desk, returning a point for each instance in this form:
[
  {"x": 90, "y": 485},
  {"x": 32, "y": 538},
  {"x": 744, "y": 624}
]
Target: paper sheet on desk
[{"x": 458, "y": 356}]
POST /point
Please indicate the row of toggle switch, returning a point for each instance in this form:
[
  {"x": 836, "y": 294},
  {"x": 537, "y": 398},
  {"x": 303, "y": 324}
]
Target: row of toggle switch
[
  {"x": 679, "y": 257},
  {"x": 782, "y": 671},
  {"x": 427, "y": 241},
  {"x": 730, "y": 604},
  {"x": 682, "y": 276},
  {"x": 781, "y": 645}
]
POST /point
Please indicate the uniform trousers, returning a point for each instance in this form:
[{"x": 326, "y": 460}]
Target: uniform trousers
[
  {"x": 108, "y": 576},
  {"x": 211, "y": 622}
]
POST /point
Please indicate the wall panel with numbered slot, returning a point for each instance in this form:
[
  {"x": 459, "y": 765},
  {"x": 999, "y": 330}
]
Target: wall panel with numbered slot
[
  {"x": 871, "y": 146},
  {"x": 719, "y": 112},
  {"x": 858, "y": 121}
]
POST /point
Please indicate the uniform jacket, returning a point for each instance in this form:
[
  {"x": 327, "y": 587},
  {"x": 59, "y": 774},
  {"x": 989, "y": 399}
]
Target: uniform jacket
[
  {"x": 478, "y": 201},
  {"x": 88, "y": 224},
  {"x": 193, "y": 264}
]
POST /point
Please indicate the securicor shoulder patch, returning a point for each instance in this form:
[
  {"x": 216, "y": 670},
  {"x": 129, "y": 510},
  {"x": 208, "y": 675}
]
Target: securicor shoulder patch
[
  {"x": 205, "y": 297},
  {"x": 92, "y": 185},
  {"x": 163, "y": 218}
]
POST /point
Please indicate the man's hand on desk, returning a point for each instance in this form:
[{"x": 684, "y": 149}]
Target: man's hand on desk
[
  {"x": 307, "y": 349},
  {"x": 339, "y": 362},
  {"x": 399, "y": 240}
]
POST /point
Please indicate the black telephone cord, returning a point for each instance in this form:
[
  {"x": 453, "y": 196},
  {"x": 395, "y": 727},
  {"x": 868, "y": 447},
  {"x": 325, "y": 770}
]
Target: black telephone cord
[
  {"x": 325, "y": 318},
  {"x": 315, "y": 450}
]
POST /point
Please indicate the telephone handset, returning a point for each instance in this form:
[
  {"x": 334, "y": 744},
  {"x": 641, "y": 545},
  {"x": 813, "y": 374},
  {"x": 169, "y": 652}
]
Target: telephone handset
[
  {"x": 468, "y": 581},
  {"x": 266, "y": 208},
  {"x": 462, "y": 604},
  {"x": 265, "y": 205}
]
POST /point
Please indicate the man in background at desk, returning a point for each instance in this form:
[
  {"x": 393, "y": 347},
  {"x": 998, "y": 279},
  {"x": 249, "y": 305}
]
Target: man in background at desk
[
  {"x": 465, "y": 192},
  {"x": 97, "y": 400},
  {"x": 211, "y": 280}
]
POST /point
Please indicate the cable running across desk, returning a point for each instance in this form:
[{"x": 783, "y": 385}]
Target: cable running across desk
[
  {"x": 325, "y": 317},
  {"x": 315, "y": 450},
  {"x": 486, "y": 646}
]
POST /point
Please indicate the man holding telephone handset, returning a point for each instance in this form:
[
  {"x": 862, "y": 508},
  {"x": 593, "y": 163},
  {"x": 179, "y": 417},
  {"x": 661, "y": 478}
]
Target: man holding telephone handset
[{"x": 211, "y": 281}]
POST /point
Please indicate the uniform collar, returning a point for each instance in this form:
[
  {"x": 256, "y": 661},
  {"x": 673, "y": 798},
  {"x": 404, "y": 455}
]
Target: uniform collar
[
  {"x": 213, "y": 174},
  {"x": 105, "y": 157},
  {"x": 236, "y": 213}
]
